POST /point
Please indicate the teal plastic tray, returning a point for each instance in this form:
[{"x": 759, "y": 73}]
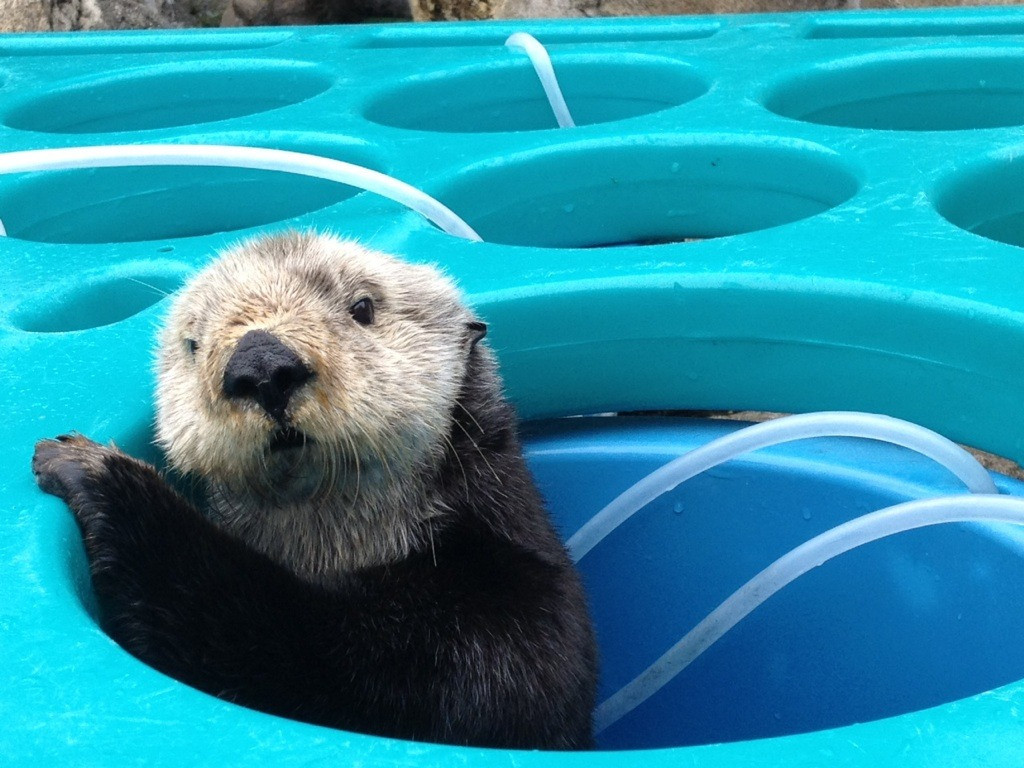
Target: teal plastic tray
[{"x": 850, "y": 187}]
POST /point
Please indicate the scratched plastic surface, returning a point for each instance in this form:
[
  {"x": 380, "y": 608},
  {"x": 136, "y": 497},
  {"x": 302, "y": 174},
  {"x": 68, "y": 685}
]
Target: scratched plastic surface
[{"x": 790, "y": 213}]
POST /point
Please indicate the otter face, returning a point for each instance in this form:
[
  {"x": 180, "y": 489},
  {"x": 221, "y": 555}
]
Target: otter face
[{"x": 300, "y": 362}]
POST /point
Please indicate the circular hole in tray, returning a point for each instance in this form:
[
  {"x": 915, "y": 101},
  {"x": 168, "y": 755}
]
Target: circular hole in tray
[
  {"x": 647, "y": 192},
  {"x": 101, "y": 299},
  {"x": 933, "y": 90},
  {"x": 988, "y": 201},
  {"x": 109, "y": 205},
  {"x": 508, "y": 96},
  {"x": 903, "y": 624},
  {"x": 170, "y": 96}
]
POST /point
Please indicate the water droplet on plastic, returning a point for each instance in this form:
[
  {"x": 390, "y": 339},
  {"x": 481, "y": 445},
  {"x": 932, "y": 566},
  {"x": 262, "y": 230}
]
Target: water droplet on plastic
[
  {"x": 569, "y": 208},
  {"x": 807, "y": 514},
  {"x": 678, "y": 507},
  {"x": 675, "y": 167}
]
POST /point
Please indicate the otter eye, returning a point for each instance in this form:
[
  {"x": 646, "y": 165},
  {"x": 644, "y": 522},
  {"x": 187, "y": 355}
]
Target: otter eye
[
  {"x": 191, "y": 345},
  {"x": 362, "y": 311}
]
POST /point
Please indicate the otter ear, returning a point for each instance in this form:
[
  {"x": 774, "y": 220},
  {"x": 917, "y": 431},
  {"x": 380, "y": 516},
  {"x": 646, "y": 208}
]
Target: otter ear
[{"x": 477, "y": 331}]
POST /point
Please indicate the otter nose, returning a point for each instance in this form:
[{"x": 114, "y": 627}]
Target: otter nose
[{"x": 264, "y": 370}]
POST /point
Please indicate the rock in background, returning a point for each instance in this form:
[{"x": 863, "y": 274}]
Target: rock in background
[
  {"x": 426, "y": 10},
  {"x": 66, "y": 15},
  {"x": 73, "y": 15},
  {"x": 267, "y": 12}
]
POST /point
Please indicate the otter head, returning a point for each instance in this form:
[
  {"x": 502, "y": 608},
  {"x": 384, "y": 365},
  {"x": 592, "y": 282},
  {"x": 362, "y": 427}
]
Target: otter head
[{"x": 300, "y": 366}]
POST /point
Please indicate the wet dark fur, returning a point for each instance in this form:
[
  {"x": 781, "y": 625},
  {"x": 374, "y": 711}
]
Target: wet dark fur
[{"x": 482, "y": 638}]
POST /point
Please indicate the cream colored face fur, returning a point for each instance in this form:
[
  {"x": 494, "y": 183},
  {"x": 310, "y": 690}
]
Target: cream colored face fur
[{"x": 380, "y": 399}]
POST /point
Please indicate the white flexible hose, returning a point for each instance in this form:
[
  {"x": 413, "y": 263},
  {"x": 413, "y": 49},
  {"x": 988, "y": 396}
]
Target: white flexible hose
[
  {"x": 255, "y": 158},
  {"x": 843, "y": 538},
  {"x": 782, "y": 430},
  {"x": 546, "y": 72},
  {"x": 266, "y": 159}
]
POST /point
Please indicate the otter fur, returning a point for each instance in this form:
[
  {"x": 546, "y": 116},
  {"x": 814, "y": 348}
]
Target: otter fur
[{"x": 373, "y": 554}]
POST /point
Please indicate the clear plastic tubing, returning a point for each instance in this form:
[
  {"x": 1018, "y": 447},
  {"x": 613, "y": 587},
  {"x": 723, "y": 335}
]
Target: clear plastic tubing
[
  {"x": 782, "y": 430},
  {"x": 546, "y": 72},
  {"x": 843, "y": 538},
  {"x": 256, "y": 158}
]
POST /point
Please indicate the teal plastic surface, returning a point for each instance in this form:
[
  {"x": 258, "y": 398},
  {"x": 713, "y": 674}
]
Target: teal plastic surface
[{"x": 792, "y": 213}]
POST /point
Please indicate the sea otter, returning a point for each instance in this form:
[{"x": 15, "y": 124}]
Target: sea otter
[{"x": 373, "y": 555}]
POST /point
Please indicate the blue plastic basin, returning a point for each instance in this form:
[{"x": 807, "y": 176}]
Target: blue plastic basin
[{"x": 903, "y": 624}]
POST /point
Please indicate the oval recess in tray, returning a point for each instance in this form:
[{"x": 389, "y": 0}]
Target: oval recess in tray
[
  {"x": 506, "y": 95},
  {"x": 101, "y": 299},
  {"x": 917, "y": 90},
  {"x": 988, "y": 200},
  {"x": 113, "y": 205},
  {"x": 648, "y": 191},
  {"x": 169, "y": 96}
]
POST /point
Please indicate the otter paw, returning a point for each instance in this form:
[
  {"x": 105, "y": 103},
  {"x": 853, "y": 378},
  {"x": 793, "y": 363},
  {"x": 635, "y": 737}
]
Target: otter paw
[{"x": 63, "y": 466}]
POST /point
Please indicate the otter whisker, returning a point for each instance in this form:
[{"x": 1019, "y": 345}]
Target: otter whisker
[
  {"x": 328, "y": 470},
  {"x": 382, "y": 458},
  {"x": 155, "y": 289},
  {"x": 472, "y": 418},
  {"x": 478, "y": 450},
  {"x": 317, "y": 460},
  {"x": 462, "y": 467},
  {"x": 354, "y": 460},
  {"x": 430, "y": 535}
]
